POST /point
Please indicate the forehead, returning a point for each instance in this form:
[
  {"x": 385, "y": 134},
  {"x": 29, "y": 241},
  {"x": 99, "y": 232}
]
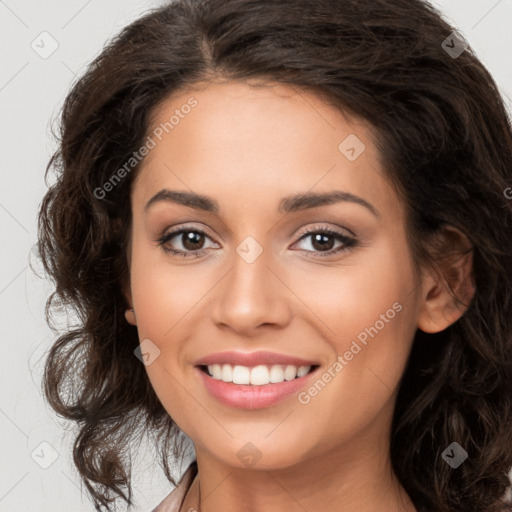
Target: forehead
[{"x": 259, "y": 142}]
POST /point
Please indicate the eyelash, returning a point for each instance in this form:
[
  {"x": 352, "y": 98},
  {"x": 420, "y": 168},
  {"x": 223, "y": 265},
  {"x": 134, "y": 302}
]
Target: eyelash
[{"x": 348, "y": 242}]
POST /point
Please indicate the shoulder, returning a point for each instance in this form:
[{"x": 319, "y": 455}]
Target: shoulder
[{"x": 172, "y": 502}]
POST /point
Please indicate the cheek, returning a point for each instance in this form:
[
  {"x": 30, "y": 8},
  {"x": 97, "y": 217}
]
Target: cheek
[
  {"x": 368, "y": 314},
  {"x": 360, "y": 384},
  {"x": 163, "y": 293},
  {"x": 372, "y": 310},
  {"x": 364, "y": 292},
  {"x": 379, "y": 318},
  {"x": 167, "y": 299},
  {"x": 161, "y": 312}
]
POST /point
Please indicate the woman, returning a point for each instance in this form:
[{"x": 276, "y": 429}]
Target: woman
[{"x": 285, "y": 229}]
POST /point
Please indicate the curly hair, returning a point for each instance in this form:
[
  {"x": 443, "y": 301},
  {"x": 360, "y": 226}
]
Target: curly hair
[{"x": 445, "y": 140}]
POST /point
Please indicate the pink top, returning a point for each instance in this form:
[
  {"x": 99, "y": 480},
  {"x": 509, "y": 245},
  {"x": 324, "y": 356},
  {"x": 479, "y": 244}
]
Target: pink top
[{"x": 173, "y": 501}]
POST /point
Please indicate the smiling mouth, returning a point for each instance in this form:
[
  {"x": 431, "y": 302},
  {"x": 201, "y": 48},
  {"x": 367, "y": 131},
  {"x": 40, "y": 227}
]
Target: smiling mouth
[{"x": 259, "y": 375}]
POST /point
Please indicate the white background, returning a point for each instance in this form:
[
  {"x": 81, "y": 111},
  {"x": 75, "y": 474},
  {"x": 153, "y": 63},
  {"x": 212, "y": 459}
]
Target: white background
[{"x": 31, "y": 93}]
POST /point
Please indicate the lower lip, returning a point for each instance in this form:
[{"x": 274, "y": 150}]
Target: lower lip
[{"x": 246, "y": 396}]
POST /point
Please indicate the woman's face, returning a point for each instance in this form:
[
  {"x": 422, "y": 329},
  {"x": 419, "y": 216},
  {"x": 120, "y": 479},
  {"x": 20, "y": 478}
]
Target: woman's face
[{"x": 345, "y": 301}]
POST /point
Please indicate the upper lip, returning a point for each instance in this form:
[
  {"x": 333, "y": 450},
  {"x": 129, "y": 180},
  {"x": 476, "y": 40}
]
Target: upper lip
[{"x": 252, "y": 359}]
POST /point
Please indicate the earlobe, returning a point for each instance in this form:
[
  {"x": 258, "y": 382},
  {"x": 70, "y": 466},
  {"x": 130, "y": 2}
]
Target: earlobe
[
  {"x": 438, "y": 312},
  {"x": 129, "y": 314},
  {"x": 447, "y": 293}
]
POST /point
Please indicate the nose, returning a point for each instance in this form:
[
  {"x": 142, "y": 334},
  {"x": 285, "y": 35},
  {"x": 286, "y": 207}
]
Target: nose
[{"x": 250, "y": 297}]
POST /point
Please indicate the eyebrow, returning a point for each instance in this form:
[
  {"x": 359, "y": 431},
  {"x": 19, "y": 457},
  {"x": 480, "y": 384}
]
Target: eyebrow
[{"x": 288, "y": 204}]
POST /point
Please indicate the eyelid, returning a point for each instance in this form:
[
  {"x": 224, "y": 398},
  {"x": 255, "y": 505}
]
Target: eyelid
[
  {"x": 334, "y": 231},
  {"x": 175, "y": 229}
]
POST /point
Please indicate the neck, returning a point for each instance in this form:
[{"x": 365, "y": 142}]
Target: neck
[{"x": 355, "y": 477}]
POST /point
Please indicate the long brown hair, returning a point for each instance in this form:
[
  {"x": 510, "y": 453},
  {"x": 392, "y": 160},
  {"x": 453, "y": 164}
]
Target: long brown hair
[{"x": 445, "y": 139}]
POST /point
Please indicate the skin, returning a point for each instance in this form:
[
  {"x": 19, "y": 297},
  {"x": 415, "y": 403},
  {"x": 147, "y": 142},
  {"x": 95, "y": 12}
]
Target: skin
[{"x": 248, "y": 147}]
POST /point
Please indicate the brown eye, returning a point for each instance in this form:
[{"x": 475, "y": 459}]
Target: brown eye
[
  {"x": 322, "y": 242},
  {"x": 189, "y": 242},
  {"x": 192, "y": 240}
]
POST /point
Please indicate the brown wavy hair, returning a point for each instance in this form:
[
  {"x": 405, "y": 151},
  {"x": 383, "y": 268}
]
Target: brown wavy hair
[{"x": 445, "y": 138}]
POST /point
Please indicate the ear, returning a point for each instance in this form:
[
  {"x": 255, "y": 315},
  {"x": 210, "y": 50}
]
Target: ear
[
  {"x": 129, "y": 313},
  {"x": 447, "y": 290},
  {"x": 126, "y": 289}
]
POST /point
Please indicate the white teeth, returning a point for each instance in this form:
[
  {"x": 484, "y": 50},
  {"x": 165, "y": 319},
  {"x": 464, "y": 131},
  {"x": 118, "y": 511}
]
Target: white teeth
[
  {"x": 216, "y": 371},
  {"x": 241, "y": 375},
  {"x": 303, "y": 370},
  {"x": 260, "y": 375},
  {"x": 227, "y": 373},
  {"x": 257, "y": 375},
  {"x": 276, "y": 374},
  {"x": 290, "y": 372}
]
